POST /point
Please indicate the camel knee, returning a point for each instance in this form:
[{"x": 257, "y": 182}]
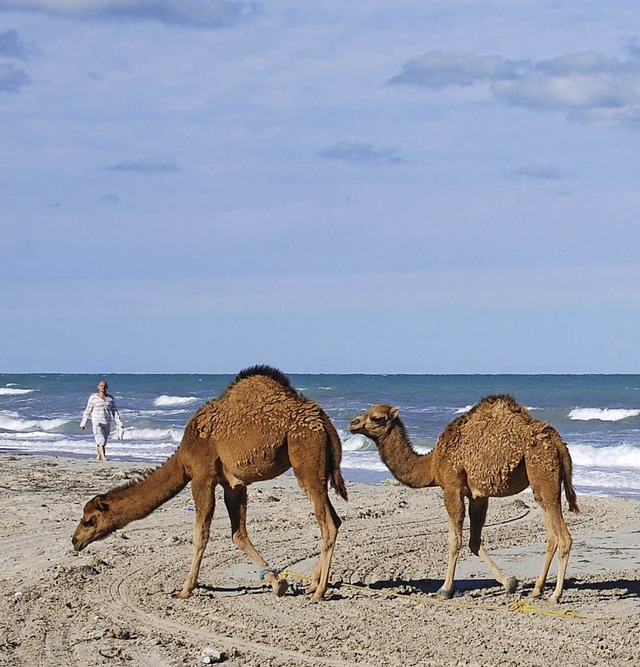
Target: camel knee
[{"x": 239, "y": 540}]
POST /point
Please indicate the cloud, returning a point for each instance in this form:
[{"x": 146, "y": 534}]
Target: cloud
[
  {"x": 109, "y": 199},
  {"x": 11, "y": 46},
  {"x": 437, "y": 70},
  {"x": 356, "y": 152},
  {"x": 146, "y": 167},
  {"x": 199, "y": 14},
  {"x": 536, "y": 170},
  {"x": 12, "y": 79},
  {"x": 588, "y": 85}
]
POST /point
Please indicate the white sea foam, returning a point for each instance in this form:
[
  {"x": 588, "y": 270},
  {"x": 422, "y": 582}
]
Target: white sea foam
[
  {"x": 85, "y": 447},
  {"x": 9, "y": 421},
  {"x": 364, "y": 461},
  {"x": 169, "y": 401},
  {"x": 33, "y": 436},
  {"x": 11, "y": 391},
  {"x": 620, "y": 456},
  {"x": 603, "y": 414},
  {"x": 171, "y": 434},
  {"x": 607, "y": 482}
]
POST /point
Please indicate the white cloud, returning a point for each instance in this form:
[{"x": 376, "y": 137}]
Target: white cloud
[
  {"x": 536, "y": 170},
  {"x": 436, "y": 69},
  {"x": 201, "y": 14},
  {"x": 588, "y": 82},
  {"x": 146, "y": 167},
  {"x": 356, "y": 152}
]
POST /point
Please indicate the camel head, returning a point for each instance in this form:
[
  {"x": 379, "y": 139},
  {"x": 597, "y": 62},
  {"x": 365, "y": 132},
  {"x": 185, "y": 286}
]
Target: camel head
[
  {"x": 96, "y": 523},
  {"x": 376, "y": 422}
]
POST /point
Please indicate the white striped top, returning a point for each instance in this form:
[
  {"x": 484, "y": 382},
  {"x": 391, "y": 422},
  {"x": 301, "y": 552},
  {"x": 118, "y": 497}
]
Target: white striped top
[{"x": 100, "y": 410}]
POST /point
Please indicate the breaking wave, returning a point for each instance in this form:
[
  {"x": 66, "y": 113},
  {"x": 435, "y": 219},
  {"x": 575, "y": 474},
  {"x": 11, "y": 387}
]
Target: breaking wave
[
  {"x": 603, "y": 414},
  {"x": 11, "y": 391},
  {"x": 10, "y": 421},
  {"x": 170, "y": 401},
  {"x": 620, "y": 456}
]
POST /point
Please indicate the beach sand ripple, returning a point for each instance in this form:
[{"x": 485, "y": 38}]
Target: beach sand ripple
[{"x": 111, "y": 604}]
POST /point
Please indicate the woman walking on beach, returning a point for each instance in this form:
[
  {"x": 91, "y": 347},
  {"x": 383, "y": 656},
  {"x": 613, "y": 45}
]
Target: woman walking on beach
[{"x": 100, "y": 408}]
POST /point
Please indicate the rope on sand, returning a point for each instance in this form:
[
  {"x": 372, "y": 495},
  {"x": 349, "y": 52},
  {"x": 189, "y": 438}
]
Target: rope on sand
[{"x": 518, "y": 605}]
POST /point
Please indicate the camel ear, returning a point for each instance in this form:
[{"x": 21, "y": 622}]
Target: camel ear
[
  {"x": 101, "y": 506},
  {"x": 394, "y": 413}
]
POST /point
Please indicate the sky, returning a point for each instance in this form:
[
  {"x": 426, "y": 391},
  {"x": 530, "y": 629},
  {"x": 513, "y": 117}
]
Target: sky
[{"x": 416, "y": 186}]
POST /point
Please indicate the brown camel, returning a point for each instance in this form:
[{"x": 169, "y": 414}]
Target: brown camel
[
  {"x": 258, "y": 429},
  {"x": 496, "y": 449}
]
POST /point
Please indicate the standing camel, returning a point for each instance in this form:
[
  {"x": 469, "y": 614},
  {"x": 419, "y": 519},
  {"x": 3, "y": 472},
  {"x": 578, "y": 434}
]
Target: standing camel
[
  {"x": 496, "y": 449},
  {"x": 258, "y": 429}
]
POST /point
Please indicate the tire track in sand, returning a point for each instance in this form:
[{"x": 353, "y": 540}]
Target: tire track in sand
[{"x": 124, "y": 602}]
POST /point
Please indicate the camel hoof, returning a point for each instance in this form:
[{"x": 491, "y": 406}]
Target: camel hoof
[
  {"x": 442, "y": 594},
  {"x": 535, "y": 593},
  {"x": 280, "y": 587},
  {"x": 181, "y": 595},
  {"x": 511, "y": 584}
]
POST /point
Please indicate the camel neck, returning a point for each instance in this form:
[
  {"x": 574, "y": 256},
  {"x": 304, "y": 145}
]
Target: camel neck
[
  {"x": 405, "y": 463},
  {"x": 140, "y": 499}
]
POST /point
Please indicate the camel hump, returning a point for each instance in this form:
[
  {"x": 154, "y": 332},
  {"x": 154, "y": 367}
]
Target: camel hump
[
  {"x": 502, "y": 402},
  {"x": 264, "y": 370}
]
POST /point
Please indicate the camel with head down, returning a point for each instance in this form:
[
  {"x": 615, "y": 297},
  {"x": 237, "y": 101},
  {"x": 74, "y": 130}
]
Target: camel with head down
[{"x": 258, "y": 429}]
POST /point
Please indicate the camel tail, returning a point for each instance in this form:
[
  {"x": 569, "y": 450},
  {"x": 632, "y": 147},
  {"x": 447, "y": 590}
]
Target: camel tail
[
  {"x": 334, "y": 457},
  {"x": 567, "y": 472}
]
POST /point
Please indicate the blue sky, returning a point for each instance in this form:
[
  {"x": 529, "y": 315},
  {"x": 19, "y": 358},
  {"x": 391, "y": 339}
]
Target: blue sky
[{"x": 379, "y": 187}]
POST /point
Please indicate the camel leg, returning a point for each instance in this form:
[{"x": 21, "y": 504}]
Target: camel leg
[
  {"x": 558, "y": 538},
  {"x": 329, "y": 522},
  {"x": 235, "y": 500},
  {"x": 204, "y": 498},
  {"x": 454, "y": 504},
  {"x": 477, "y": 517},
  {"x": 315, "y": 487}
]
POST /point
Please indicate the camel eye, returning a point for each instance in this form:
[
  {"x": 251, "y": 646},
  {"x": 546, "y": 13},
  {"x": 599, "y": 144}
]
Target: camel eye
[
  {"x": 89, "y": 523},
  {"x": 378, "y": 420}
]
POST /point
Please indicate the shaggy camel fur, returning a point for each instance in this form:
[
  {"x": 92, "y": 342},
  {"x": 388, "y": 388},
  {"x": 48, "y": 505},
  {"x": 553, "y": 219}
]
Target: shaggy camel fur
[
  {"x": 258, "y": 429},
  {"x": 496, "y": 449}
]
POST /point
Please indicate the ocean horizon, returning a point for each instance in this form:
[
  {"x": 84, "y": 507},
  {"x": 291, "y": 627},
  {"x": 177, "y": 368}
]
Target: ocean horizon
[{"x": 598, "y": 416}]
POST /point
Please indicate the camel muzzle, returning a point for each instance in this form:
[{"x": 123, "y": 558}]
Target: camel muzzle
[{"x": 355, "y": 424}]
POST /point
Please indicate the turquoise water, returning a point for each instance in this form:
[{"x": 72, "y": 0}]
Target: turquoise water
[{"x": 598, "y": 416}]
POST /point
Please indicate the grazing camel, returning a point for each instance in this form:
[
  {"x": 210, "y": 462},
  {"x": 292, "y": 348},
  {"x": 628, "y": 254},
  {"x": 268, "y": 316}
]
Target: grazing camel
[
  {"x": 256, "y": 430},
  {"x": 496, "y": 449}
]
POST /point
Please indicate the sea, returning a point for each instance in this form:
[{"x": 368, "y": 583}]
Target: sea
[{"x": 598, "y": 416}]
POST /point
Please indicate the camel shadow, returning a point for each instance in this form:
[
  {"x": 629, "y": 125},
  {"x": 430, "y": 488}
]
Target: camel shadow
[
  {"x": 632, "y": 586},
  {"x": 426, "y": 586},
  {"x": 229, "y": 591},
  {"x": 294, "y": 590}
]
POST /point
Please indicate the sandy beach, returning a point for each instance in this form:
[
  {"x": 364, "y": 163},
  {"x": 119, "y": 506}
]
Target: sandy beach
[{"x": 111, "y": 604}]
